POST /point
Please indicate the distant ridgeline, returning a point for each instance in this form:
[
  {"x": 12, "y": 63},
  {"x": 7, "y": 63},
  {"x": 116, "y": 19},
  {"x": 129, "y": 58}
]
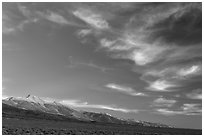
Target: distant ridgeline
[{"x": 33, "y": 106}]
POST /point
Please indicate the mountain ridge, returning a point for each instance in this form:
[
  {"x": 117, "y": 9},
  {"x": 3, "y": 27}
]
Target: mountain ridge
[{"x": 37, "y": 104}]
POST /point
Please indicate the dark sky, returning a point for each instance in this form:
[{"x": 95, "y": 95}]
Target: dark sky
[{"x": 132, "y": 60}]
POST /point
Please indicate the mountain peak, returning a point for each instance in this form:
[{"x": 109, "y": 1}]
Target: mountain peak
[
  {"x": 34, "y": 99},
  {"x": 9, "y": 98},
  {"x": 28, "y": 96}
]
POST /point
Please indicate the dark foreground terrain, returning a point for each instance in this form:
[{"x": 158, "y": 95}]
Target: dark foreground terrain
[{"x": 16, "y": 126}]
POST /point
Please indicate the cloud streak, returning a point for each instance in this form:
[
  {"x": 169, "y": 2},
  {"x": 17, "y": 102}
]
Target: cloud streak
[
  {"x": 84, "y": 32},
  {"x": 130, "y": 47},
  {"x": 161, "y": 86},
  {"x": 55, "y": 17},
  {"x": 91, "y": 18},
  {"x": 169, "y": 78},
  {"x": 124, "y": 89},
  {"x": 162, "y": 102},
  {"x": 195, "y": 94},
  {"x": 26, "y": 14},
  {"x": 186, "y": 109},
  {"x": 193, "y": 70},
  {"x": 73, "y": 64}
]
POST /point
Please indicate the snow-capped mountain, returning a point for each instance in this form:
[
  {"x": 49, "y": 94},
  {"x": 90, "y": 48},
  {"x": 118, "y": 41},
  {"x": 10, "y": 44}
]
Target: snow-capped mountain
[
  {"x": 37, "y": 104},
  {"x": 29, "y": 103},
  {"x": 35, "y": 99}
]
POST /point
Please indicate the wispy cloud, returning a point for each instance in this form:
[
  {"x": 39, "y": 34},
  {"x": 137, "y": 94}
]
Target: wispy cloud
[
  {"x": 73, "y": 64},
  {"x": 78, "y": 103},
  {"x": 20, "y": 26},
  {"x": 169, "y": 78},
  {"x": 27, "y": 14},
  {"x": 192, "y": 109},
  {"x": 24, "y": 10},
  {"x": 91, "y": 64},
  {"x": 115, "y": 46},
  {"x": 93, "y": 19},
  {"x": 186, "y": 109},
  {"x": 144, "y": 50},
  {"x": 7, "y": 30},
  {"x": 10, "y": 25},
  {"x": 167, "y": 112},
  {"x": 131, "y": 47},
  {"x": 161, "y": 85},
  {"x": 144, "y": 53},
  {"x": 47, "y": 14},
  {"x": 176, "y": 72},
  {"x": 195, "y": 94},
  {"x": 124, "y": 89},
  {"x": 193, "y": 70},
  {"x": 162, "y": 102},
  {"x": 84, "y": 32},
  {"x": 56, "y": 18},
  {"x": 120, "y": 88},
  {"x": 6, "y": 27},
  {"x": 150, "y": 38}
]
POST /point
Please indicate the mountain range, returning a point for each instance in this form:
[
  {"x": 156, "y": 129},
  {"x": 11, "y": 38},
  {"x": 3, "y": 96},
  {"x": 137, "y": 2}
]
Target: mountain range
[{"x": 33, "y": 106}]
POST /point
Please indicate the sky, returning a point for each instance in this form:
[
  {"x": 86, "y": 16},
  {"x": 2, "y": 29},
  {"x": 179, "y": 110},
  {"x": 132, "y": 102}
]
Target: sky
[{"x": 138, "y": 61}]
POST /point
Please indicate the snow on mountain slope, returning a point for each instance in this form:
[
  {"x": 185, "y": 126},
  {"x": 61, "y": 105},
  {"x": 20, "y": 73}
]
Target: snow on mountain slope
[
  {"x": 35, "y": 99},
  {"x": 24, "y": 103},
  {"x": 37, "y": 104}
]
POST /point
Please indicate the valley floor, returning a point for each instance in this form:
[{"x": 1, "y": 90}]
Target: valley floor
[{"x": 13, "y": 126}]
